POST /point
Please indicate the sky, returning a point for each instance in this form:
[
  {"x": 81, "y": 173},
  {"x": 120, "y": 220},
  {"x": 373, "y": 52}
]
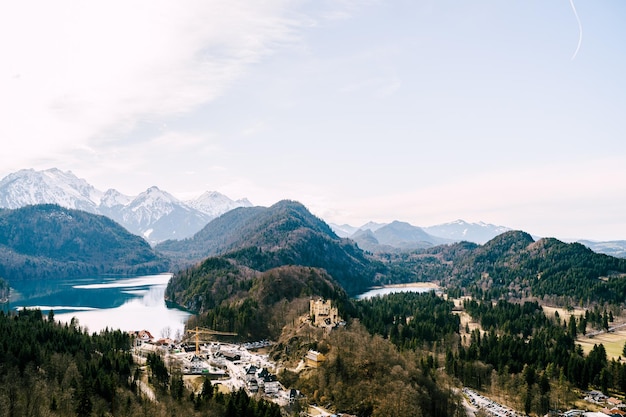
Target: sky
[{"x": 423, "y": 111}]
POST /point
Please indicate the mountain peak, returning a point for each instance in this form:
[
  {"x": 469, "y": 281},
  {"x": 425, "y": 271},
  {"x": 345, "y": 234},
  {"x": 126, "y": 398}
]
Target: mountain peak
[
  {"x": 112, "y": 198},
  {"x": 213, "y": 203},
  {"x": 459, "y": 230},
  {"x": 289, "y": 204},
  {"x": 52, "y": 186},
  {"x": 153, "y": 189},
  {"x": 373, "y": 226},
  {"x": 285, "y": 233},
  {"x": 153, "y": 210}
]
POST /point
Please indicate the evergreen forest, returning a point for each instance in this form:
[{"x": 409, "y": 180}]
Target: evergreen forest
[{"x": 53, "y": 369}]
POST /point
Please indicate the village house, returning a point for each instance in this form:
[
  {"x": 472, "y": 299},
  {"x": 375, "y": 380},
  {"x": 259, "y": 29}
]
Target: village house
[
  {"x": 614, "y": 412},
  {"x": 596, "y": 397},
  {"x": 267, "y": 381},
  {"x": 141, "y": 335},
  {"x": 251, "y": 371},
  {"x": 231, "y": 356},
  {"x": 313, "y": 359}
]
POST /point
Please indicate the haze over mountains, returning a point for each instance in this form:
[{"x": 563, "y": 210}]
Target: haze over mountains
[
  {"x": 157, "y": 215},
  {"x": 397, "y": 235}
]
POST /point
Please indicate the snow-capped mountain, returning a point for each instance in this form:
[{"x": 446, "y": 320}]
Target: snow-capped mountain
[
  {"x": 154, "y": 214},
  {"x": 615, "y": 248},
  {"x": 53, "y": 186},
  {"x": 461, "y": 230},
  {"x": 214, "y": 204},
  {"x": 150, "y": 206},
  {"x": 402, "y": 235},
  {"x": 113, "y": 198},
  {"x": 158, "y": 215}
]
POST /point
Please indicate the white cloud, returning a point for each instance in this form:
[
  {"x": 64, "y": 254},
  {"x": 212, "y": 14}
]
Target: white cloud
[{"x": 75, "y": 72}]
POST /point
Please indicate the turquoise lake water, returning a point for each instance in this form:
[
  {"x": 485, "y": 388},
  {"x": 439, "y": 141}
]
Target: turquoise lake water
[{"x": 135, "y": 303}]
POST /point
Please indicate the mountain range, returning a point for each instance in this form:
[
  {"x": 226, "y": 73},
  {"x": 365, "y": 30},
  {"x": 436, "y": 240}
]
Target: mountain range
[
  {"x": 402, "y": 236},
  {"x": 154, "y": 214},
  {"x": 243, "y": 244}
]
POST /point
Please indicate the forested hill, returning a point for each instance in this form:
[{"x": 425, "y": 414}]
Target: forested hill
[
  {"x": 255, "y": 305},
  {"x": 47, "y": 241},
  {"x": 243, "y": 227},
  {"x": 54, "y": 369},
  {"x": 514, "y": 265},
  {"x": 286, "y": 233}
]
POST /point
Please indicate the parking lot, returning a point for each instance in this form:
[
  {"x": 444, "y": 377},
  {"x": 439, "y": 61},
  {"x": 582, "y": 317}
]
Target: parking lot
[{"x": 489, "y": 406}]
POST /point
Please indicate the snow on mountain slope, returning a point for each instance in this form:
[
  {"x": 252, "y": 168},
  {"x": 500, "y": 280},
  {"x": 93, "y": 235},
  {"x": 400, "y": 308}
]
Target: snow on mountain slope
[
  {"x": 150, "y": 206},
  {"x": 461, "y": 230},
  {"x": 112, "y": 198},
  {"x": 214, "y": 204},
  {"x": 154, "y": 214},
  {"x": 52, "y": 186},
  {"x": 615, "y": 248}
]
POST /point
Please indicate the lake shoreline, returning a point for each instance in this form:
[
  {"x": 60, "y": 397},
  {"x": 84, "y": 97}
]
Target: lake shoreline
[
  {"x": 432, "y": 285},
  {"x": 129, "y": 304},
  {"x": 420, "y": 287}
]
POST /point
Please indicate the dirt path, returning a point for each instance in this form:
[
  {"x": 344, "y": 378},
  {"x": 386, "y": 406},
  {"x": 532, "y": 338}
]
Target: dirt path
[{"x": 146, "y": 390}]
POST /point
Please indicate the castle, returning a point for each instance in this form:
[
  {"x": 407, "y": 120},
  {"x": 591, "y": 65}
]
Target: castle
[{"x": 323, "y": 314}]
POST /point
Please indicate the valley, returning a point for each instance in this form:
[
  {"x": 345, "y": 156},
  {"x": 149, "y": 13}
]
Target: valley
[{"x": 514, "y": 319}]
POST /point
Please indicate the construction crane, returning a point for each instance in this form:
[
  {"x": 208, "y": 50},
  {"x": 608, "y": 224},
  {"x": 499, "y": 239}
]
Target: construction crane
[{"x": 200, "y": 330}]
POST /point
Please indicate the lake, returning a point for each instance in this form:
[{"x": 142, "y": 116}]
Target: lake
[
  {"x": 390, "y": 289},
  {"x": 135, "y": 303}
]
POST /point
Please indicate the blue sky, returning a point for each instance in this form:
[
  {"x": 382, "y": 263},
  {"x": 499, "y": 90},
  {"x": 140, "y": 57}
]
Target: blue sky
[{"x": 421, "y": 111}]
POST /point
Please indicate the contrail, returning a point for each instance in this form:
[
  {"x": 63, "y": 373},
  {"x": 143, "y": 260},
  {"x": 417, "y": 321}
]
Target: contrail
[{"x": 580, "y": 29}]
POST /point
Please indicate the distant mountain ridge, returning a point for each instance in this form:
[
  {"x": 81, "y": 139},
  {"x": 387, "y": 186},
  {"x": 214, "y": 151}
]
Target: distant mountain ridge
[
  {"x": 367, "y": 237},
  {"x": 472, "y": 232},
  {"x": 615, "y": 248},
  {"x": 158, "y": 216},
  {"x": 397, "y": 235},
  {"x": 154, "y": 214}
]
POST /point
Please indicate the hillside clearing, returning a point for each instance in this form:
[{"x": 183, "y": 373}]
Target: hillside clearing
[{"x": 613, "y": 343}]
